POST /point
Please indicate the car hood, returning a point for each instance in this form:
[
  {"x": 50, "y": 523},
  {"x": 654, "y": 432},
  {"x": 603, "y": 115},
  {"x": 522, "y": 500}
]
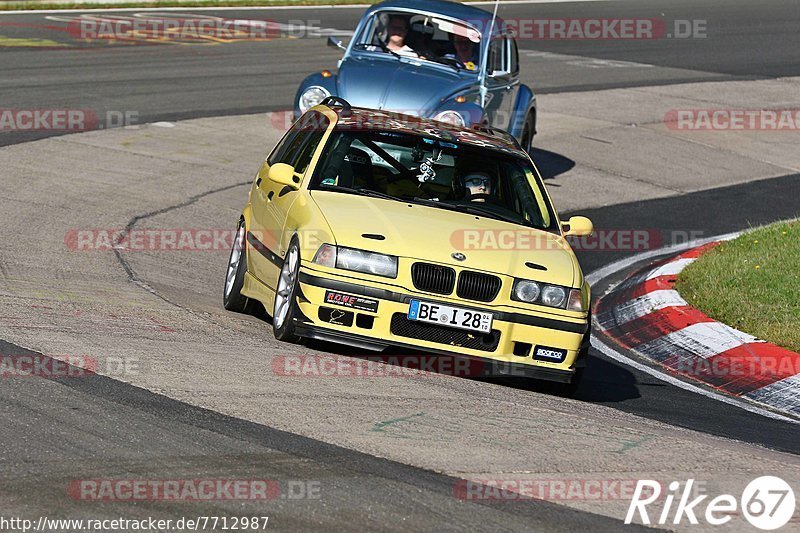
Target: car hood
[
  {"x": 401, "y": 85},
  {"x": 429, "y": 233}
]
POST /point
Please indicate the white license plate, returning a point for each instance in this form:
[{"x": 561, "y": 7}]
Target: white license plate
[{"x": 446, "y": 315}]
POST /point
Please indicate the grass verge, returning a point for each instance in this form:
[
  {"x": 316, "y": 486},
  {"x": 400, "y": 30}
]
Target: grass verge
[{"x": 751, "y": 283}]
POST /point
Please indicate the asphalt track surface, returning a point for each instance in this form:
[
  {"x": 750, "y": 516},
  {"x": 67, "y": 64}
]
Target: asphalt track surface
[
  {"x": 745, "y": 40},
  {"x": 69, "y": 422}
]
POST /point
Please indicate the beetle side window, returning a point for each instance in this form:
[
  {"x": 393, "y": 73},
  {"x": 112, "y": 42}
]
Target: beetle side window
[
  {"x": 513, "y": 56},
  {"x": 495, "y": 64}
]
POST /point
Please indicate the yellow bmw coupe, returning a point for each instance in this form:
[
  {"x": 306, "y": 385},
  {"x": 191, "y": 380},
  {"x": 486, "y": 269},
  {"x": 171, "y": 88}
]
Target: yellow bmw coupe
[{"x": 378, "y": 229}]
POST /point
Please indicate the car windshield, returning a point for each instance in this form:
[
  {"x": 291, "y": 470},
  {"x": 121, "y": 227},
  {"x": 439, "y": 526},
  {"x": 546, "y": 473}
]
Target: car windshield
[
  {"x": 426, "y": 170},
  {"x": 422, "y": 36}
]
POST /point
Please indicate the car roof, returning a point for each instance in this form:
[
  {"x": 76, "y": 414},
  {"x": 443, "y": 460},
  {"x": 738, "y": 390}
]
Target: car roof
[
  {"x": 456, "y": 10},
  {"x": 362, "y": 119}
]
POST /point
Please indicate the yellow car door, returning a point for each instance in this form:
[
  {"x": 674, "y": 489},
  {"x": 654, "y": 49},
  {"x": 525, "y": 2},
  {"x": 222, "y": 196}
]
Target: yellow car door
[{"x": 272, "y": 201}]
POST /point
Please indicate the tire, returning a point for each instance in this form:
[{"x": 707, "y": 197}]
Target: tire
[
  {"x": 285, "y": 309},
  {"x": 569, "y": 390},
  {"x": 232, "y": 298},
  {"x": 528, "y": 132}
]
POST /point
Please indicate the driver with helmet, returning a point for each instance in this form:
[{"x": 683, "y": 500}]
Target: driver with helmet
[{"x": 477, "y": 186}]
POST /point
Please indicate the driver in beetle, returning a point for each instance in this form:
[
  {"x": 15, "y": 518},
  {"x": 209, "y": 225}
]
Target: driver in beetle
[{"x": 464, "y": 51}]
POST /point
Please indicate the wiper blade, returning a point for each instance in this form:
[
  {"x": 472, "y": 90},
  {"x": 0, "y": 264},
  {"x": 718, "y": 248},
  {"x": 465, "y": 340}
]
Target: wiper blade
[
  {"x": 434, "y": 203},
  {"x": 463, "y": 208},
  {"x": 364, "y": 46},
  {"x": 365, "y": 192},
  {"x": 477, "y": 210},
  {"x": 376, "y": 194},
  {"x": 455, "y": 207}
]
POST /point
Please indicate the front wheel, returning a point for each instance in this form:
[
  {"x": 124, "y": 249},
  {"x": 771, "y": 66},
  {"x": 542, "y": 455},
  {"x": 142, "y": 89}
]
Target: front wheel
[
  {"x": 232, "y": 298},
  {"x": 528, "y": 132},
  {"x": 285, "y": 308},
  {"x": 569, "y": 390}
]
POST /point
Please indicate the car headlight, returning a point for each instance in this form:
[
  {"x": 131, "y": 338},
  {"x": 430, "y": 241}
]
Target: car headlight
[
  {"x": 553, "y": 296},
  {"x": 312, "y": 96},
  {"x": 451, "y": 117},
  {"x": 357, "y": 260},
  {"x": 527, "y": 291},
  {"x": 533, "y": 292}
]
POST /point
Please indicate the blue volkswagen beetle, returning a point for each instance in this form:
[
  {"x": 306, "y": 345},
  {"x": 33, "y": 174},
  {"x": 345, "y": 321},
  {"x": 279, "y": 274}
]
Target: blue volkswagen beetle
[{"x": 433, "y": 59}]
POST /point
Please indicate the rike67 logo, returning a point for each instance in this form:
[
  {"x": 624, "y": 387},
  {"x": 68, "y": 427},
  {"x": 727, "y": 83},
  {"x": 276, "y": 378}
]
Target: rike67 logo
[{"x": 767, "y": 503}]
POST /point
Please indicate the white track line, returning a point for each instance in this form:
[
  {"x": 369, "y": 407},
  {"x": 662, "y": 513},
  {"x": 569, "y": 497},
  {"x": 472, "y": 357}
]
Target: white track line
[
  {"x": 704, "y": 339},
  {"x": 613, "y": 268},
  {"x": 672, "y": 268},
  {"x": 787, "y": 389},
  {"x": 646, "y": 304},
  {"x": 615, "y": 355}
]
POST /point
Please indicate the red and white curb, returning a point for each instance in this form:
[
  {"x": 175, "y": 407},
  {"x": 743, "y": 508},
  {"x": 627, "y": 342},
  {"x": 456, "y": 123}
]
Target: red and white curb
[{"x": 646, "y": 315}]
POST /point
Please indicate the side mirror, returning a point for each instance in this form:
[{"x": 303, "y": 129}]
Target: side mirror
[
  {"x": 283, "y": 174},
  {"x": 577, "y": 226},
  {"x": 333, "y": 42}
]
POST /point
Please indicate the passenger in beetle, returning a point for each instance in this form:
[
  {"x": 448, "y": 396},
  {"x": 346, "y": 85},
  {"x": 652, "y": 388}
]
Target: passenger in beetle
[{"x": 396, "y": 33}]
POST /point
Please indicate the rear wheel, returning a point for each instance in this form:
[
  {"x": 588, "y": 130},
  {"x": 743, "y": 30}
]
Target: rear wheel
[{"x": 285, "y": 309}]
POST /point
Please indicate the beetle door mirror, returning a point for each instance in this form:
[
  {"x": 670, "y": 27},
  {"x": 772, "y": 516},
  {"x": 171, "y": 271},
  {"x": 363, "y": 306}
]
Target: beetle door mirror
[{"x": 333, "y": 42}]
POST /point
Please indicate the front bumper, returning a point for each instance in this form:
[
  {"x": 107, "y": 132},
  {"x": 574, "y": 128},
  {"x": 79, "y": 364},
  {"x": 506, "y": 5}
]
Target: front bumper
[{"x": 379, "y": 321}]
